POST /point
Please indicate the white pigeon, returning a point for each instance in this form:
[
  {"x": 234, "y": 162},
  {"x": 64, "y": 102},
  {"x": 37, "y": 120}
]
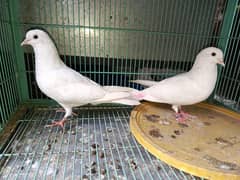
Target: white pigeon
[
  {"x": 186, "y": 88},
  {"x": 66, "y": 86}
]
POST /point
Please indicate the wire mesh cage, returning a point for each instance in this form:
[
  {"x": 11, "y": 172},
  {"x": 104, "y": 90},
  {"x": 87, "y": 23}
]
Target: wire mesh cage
[{"x": 111, "y": 42}]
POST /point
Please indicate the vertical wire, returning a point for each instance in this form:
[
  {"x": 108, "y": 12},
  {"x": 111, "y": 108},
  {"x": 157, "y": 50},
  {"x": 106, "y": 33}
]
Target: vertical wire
[
  {"x": 119, "y": 56},
  {"x": 104, "y": 44},
  {"x": 74, "y": 37},
  {"x": 94, "y": 42},
  {"x": 89, "y": 40},
  {"x": 69, "y": 29},
  {"x": 115, "y": 40},
  {"x": 121, "y": 33},
  {"x": 166, "y": 38},
  {"x": 159, "y": 41},
  {"x": 79, "y": 36},
  {"x": 153, "y": 39},
  {"x": 109, "y": 47},
  {"x": 100, "y": 56},
  {"x": 126, "y": 54}
]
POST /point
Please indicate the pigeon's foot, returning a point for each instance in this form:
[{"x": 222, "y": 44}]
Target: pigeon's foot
[
  {"x": 57, "y": 123},
  {"x": 182, "y": 117},
  {"x": 62, "y": 110}
]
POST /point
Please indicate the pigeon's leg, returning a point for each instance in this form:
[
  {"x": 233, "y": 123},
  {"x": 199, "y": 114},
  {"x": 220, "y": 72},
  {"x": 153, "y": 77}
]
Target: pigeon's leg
[
  {"x": 60, "y": 123},
  {"x": 62, "y": 110},
  {"x": 181, "y": 116}
]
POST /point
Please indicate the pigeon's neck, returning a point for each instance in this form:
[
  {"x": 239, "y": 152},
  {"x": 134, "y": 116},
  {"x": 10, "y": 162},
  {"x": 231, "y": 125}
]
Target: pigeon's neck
[
  {"x": 203, "y": 73},
  {"x": 46, "y": 57}
]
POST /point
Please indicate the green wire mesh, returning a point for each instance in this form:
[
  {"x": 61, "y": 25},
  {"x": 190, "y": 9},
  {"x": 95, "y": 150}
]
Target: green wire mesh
[
  {"x": 9, "y": 95},
  {"x": 114, "y": 41},
  {"x": 228, "y": 89}
]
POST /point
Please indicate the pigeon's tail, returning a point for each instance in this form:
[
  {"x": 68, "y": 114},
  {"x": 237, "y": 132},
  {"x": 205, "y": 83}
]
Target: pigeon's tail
[
  {"x": 118, "y": 89},
  {"x": 119, "y": 95},
  {"x": 147, "y": 83},
  {"x": 131, "y": 102}
]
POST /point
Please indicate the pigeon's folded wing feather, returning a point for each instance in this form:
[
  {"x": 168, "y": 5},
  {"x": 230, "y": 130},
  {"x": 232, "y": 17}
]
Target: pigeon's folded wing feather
[{"x": 176, "y": 90}]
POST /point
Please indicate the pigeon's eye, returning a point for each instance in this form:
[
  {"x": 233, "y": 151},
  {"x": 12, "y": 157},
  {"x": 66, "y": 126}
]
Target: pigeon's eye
[
  {"x": 213, "y": 54},
  {"x": 35, "y": 36}
]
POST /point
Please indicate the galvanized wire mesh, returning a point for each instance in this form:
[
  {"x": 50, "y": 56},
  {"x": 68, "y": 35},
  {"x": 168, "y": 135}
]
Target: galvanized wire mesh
[{"x": 96, "y": 145}]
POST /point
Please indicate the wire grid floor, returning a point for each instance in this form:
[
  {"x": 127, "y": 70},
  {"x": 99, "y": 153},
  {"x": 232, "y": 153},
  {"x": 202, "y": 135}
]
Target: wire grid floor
[{"x": 97, "y": 144}]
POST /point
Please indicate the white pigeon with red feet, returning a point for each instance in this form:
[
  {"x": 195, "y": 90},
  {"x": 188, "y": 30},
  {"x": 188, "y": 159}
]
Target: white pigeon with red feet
[
  {"x": 186, "y": 88},
  {"x": 65, "y": 85}
]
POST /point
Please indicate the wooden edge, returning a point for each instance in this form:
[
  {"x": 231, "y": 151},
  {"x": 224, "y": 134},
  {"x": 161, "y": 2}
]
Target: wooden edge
[
  {"x": 167, "y": 158},
  {"x": 11, "y": 125}
]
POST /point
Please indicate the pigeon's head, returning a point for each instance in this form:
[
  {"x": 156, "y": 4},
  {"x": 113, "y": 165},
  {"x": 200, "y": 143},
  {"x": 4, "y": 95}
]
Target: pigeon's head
[
  {"x": 211, "y": 55},
  {"x": 35, "y": 37}
]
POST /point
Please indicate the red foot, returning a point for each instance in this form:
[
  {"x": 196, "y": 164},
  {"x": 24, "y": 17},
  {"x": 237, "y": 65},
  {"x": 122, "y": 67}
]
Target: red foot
[
  {"x": 181, "y": 117},
  {"x": 57, "y": 123}
]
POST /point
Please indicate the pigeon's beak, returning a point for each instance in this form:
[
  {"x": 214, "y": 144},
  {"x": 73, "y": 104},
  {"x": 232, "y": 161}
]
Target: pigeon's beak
[
  {"x": 25, "y": 42},
  {"x": 220, "y": 61}
]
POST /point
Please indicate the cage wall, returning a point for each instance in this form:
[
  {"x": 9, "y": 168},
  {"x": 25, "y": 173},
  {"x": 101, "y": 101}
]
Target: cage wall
[
  {"x": 114, "y": 41},
  {"x": 9, "y": 94},
  {"x": 228, "y": 88}
]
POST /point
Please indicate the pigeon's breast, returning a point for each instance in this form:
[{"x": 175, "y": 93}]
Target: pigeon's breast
[{"x": 46, "y": 81}]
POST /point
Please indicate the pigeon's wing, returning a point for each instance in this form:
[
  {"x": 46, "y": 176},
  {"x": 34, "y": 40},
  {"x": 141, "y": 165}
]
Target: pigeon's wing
[
  {"x": 70, "y": 87},
  {"x": 180, "y": 89}
]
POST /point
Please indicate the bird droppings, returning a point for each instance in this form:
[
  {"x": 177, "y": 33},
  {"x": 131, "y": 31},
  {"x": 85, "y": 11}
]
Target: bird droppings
[
  {"x": 196, "y": 149},
  {"x": 72, "y": 132},
  {"x": 152, "y": 117},
  {"x": 177, "y": 132},
  {"x": 207, "y": 123},
  {"x": 133, "y": 164},
  {"x": 184, "y": 125},
  {"x": 211, "y": 117},
  {"x": 93, "y": 170},
  {"x": 84, "y": 177},
  {"x": 155, "y": 133},
  {"x": 35, "y": 165},
  {"x": 109, "y": 130},
  {"x": 159, "y": 168},
  {"x": 93, "y": 152},
  {"x": 164, "y": 122},
  {"x": 173, "y": 136},
  {"x": 118, "y": 166},
  {"x": 47, "y": 147},
  {"x": 101, "y": 155},
  {"x": 94, "y": 146},
  {"x": 93, "y": 163},
  {"x": 221, "y": 164},
  {"x": 103, "y": 171},
  {"x": 222, "y": 141}
]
